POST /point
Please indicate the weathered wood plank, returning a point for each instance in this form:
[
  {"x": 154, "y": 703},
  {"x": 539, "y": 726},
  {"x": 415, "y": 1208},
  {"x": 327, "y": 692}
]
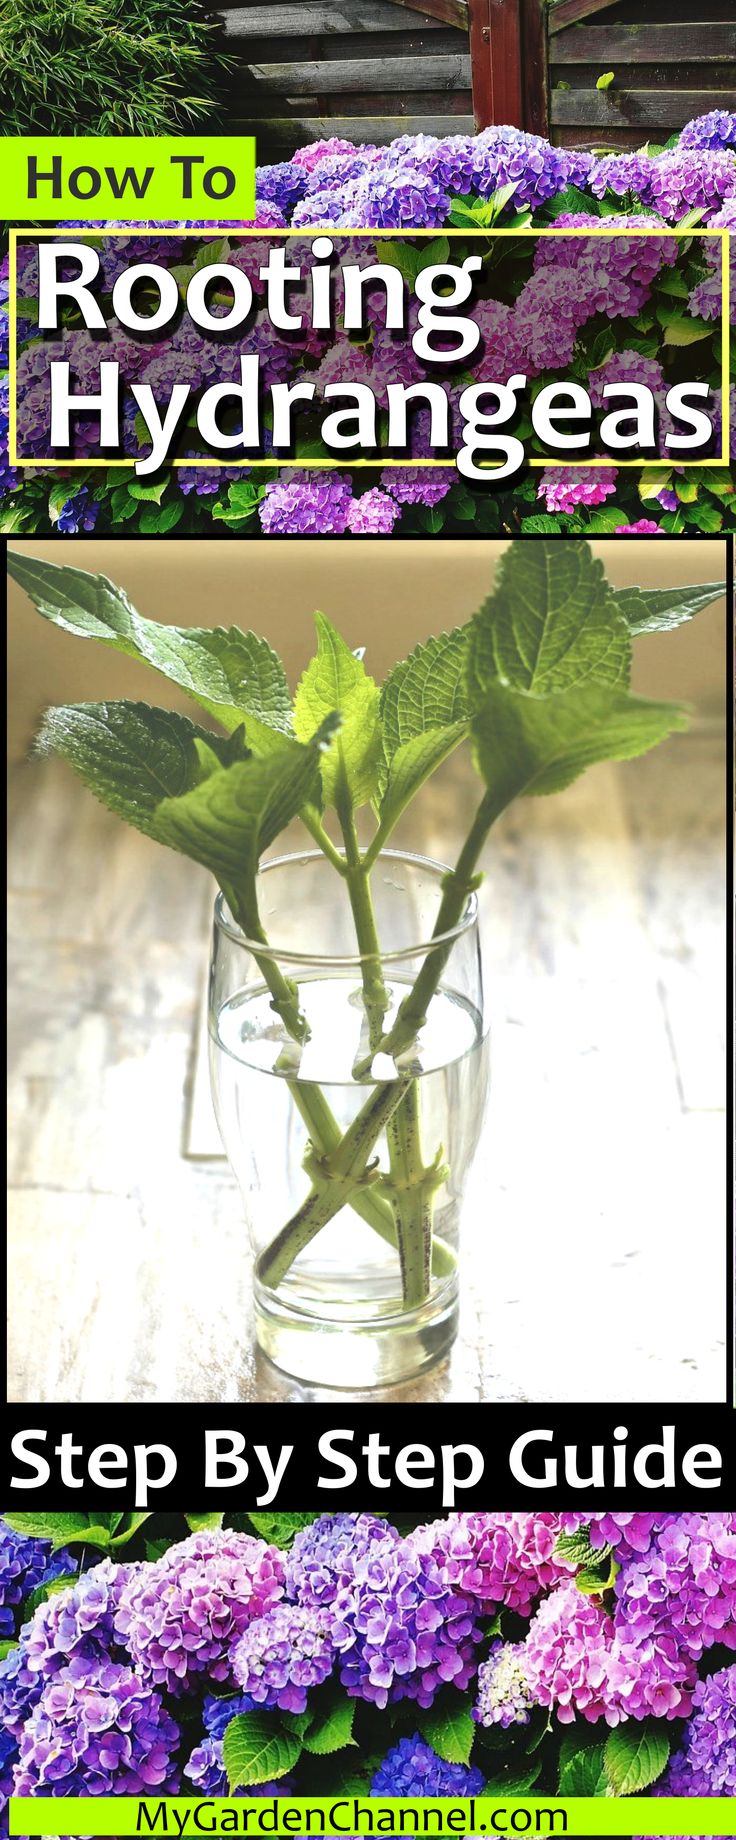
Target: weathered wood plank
[
  {"x": 650, "y": 76},
  {"x": 707, "y": 42},
  {"x": 290, "y": 132},
  {"x": 448, "y": 12},
  {"x": 309, "y": 17},
  {"x": 567, "y": 11},
  {"x": 375, "y": 75},
  {"x": 661, "y": 109}
]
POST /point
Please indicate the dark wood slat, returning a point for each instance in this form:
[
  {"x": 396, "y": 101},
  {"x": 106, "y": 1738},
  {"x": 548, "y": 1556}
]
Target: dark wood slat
[
  {"x": 447, "y": 103},
  {"x": 616, "y": 139},
  {"x": 449, "y": 12},
  {"x": 358, "y": 45},
  {"x": 372, "y": 74},
  {"x": 661, "y": 109},
  {"x": 569, "y": 10},
  {"x": 707, "y": 42},
  {"x": 287, "y": 134},
  {"x": 307, "y": 17},
  {"x": 652, "y": 76}
]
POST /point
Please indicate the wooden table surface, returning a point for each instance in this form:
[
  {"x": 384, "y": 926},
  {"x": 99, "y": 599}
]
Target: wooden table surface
[{"x": 594, "y": 1265}]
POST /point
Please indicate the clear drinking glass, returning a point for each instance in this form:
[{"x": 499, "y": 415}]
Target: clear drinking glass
[{"x": 356, "y": 1240}]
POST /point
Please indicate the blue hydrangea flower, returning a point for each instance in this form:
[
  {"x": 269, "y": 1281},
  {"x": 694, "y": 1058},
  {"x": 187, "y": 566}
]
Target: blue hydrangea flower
[
  {"x": 79, "y": 513},
  {"x": 413, "y": 1768},
  {"x": 25, "y": 1564}
]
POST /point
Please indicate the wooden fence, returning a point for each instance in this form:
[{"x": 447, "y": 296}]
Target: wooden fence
[{"x": 372, "y": 69}]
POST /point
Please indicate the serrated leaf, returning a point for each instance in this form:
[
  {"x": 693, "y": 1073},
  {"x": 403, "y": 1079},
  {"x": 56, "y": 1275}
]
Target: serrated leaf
[
  {"x": 280, "y": 1529},
  {"x": 425, "y": 691},
  {"x": 550, "y": 623},
  {"x": 541, "y": 523},
  {"x": 235, "y": 676},
  {"x": 257, "y": 1749},
  {"x": 635, "y": 1756},
  {"x": 332, "y": 1729},
  {"x": 335, "y": 680},
  {"x": 660, "y": 609},
  {"x": 578, "y": 1549},
  {"x": 582, "y": 1769},
  {"x": 412, "y": 764},
  {"x": 528, "y": 745},
  {"x": 204, "y": 1523},
  {"x": 450, "y": 1729},
  {"x": 130, "y": 755},
  {"x": 54, "y": 1527},
  {"x": 593, "y": 1580}
]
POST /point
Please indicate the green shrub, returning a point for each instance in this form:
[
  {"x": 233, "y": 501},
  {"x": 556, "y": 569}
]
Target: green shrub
[{"x": 104, "y": 66}]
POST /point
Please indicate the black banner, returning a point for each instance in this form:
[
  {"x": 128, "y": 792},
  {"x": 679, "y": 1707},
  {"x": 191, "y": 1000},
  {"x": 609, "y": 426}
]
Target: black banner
[{"x": 236, "y": 1457}]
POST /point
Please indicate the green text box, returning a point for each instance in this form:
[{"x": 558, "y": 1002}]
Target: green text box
[
  {"x": 349, "y": 1815},
  {"x": 127, "y": 179}
]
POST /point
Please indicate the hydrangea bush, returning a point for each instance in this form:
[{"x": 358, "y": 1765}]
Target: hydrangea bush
[
  {"x": 301, "y": 1653},
  {"x": 638, "y": 309}
]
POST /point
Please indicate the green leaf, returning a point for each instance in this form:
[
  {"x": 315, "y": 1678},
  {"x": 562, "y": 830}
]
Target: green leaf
[
  {"x": 335, "y": 680},
  {"x": 412, "y": 764},
  {"x": 514, "y": 1779},
  {"x": 593, "y": 1580},
  {"x": 426, "y": 691},
  {"x": 411, "y": 258},
  {"x": 256, "y": 1749},
  {"x": 605, "y": 81},
  {"x": 131, "y": 756},
  {"x": 128, "y": 1527},
  {"x": 660, "y": 609},
  {"x": 280, "y": 1529},
  {"x": 152, "y": 494},
  {"x": 204, "y": 1523},
  {"x": 6, "y": 1648},
  {"x": 230, "y": 818},
  {"x": 55, "y": 1527},
  {"x": 528, "y": 745},
  {"x": 450, "y": 1729},
  {"x": 582, "y": 1770},
  {"x": 576, "y": 1548},
  {"x": 43, "y": 1592},
  {"x": 235, "y": 676},
  {"x": 549, "y": 623},
  {"x": 153, "y": 519},
  {"x": 687, "y": 331},
  {"x": 635, "y": 1755},
  {"x": 332, "y": 1729},
  {"x": 541, "y": 523}
]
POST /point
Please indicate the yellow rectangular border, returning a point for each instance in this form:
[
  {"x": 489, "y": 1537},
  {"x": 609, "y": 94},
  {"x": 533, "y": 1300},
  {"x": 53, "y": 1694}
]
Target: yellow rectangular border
[{"x": 723, "y": 460}]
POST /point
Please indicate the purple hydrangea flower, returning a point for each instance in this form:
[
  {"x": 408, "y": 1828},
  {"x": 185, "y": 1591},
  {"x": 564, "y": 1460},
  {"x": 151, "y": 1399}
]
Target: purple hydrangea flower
[
  {"x": 626, "y": 1533},
  {"x": 503, "y": 1689},
  {"x": 309, "y": 157},
  {"x": 401, "y": 1629},
  {"x": 689, "y": 179},
  {"x": 621, "y": 173},
  {"x": 684, "y": 1589},
  {"x": 548, "y": 315},
  {"x": 582, "y": 485},
  {"x": 496, "y": 1559},
  {"x": 707, "y": 1763},
  {"x": 98, "y": 1732},
  {"x": 326, "y": 208},
  {"x": 25, "y": 1564},
  {"x": 394, "y": 198},
  {"x": 283, "y": 184},
  {"x": 181, "y": 1617},
  {"x": 714, "y": 130},
  {"x": 307, "y": 504},
  {"x": 79, "y": 513},
  {"x": 206, "y": 1770},
  {"x": 324, "y": 1557},
  {"x": 642, "y": 527},
  {"x": 373, "y": 514},
  {"x": 412, "y": 1768},
  {"x": 625, "y": 367},
  {"x": 282, "y": 1655}
]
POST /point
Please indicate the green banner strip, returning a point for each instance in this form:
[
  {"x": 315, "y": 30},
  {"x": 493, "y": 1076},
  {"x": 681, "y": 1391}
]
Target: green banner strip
[
  {"x": 351, "y": 1815},
  {"x": 127, "y": 179}
]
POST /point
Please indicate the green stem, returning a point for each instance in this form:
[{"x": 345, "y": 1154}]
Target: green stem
[{"x": 412, "y": 1199}]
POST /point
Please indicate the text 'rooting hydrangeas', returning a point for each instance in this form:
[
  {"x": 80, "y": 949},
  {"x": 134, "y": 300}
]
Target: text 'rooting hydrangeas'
[{"x": 310, "y": 291}]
